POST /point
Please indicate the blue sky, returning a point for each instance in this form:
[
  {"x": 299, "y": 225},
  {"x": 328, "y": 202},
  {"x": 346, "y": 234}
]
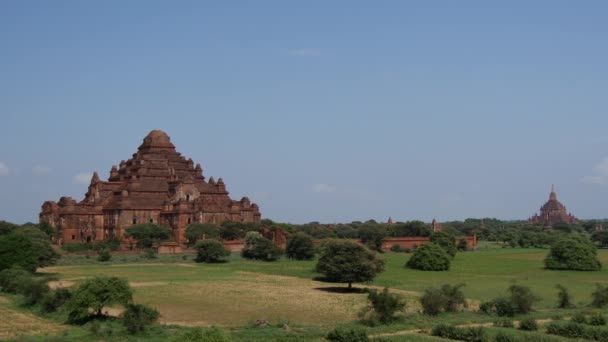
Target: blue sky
[{"x": 318, "y": 111}]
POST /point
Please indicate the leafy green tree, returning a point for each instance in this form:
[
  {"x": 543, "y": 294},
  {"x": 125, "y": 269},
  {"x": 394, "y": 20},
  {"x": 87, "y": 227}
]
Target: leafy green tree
[
  {"x": 97, "y": 293},
  {"x": 445, "y": 240},
  {"x": 411, "y": 228},
  {"x": 522, "y": 298},
  {"x": 260, "y": 248},
  {"x": 346, "y": 261},
  {"x": 27, "y": 248},
  {"x": 384, "y": 305},
  {"x": 137, "y": 317},
  {"x": 7, "y": 227},
  {"x": 373, "y": 236},
  {"x": 147, "y": 234},
  {"x": 201, "y": 231},
  {"x": 300, "y": 247},
  {"x": 573, "y": 253},
  {"x": 601, "y": 238},
  {"x": 210, "y": 250},
  {"x": 430, "y": 257}
]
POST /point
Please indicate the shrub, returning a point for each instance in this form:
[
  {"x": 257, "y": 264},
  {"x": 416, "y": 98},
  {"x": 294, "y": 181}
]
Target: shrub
[
  {"x": 573, "y": 254},
  {"x": 347, "y": 335},
  {"x": 445, "y": 240},
  {"x": 522, "y": 298},
  {"x": 260, "y": 248},
  {"x": 579, "y": 317},
  {"x": 104, "y": 255},
  {"x": 34, "y": 290},
  {"x": 504, "y": 323},
  {"x": 147, "y": 234},
  {"x": 210, "y": 250},
  {"x": 150, "y": 253},
  {"x": 597, "y": 319},
  {"x": 564, "y": 299},
  {"x": 346, "y": 261},
  {"x": 471, "y": 334},
  {"x": 385, "y": 304},
  {"x": 570, "y": 329},
  {"x": 599, "y": 297},
  {"x": 18, "y": 249},
  {"x": 97, "y": 293},
  {"x": 454, "y": 297},
  {"x": 300, "y": 247},
  {"x": 12, "y": 280},
  {"x": 528, "y": 324},
  {"x": 444, "y": 330},
  {"x": 56, "y": 299},
  {"x": 500, "y": 306},
  {"x": 433, "y": 301},
  {"x": 137, "y": 317},
  {"x": 429, "y": 257},
  {"x": 212, "y": 334},
  {"x": 504, "y": 337},
  {"x": 396, "y": 248}
]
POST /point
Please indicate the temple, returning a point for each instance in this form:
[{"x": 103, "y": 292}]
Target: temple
[
  {"x": 157, "y": 185},
  {"x": 552, "y": 212}
]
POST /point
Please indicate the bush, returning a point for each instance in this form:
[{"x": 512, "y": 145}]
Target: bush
[
  {"x": 599, "y": 297},
  {"x": 300, "y": 247},
  {"x": 260, "y": 248},
  {"x": 500, "y": 306},
  {"x": 503, "y": 337},
  {"x": 150, "y": 253},
  {"x": 445, "y": 240},
  {"x": 579, "y": 317},
  {"x": 34, "y": 290},
  {"x": 454, "y": 297},
  {"x": 12, "y": 280},
  {"x": 346, "y": 261},
  {"x": 598, "y": 319},
  {"x": 564, "y": 299},
  {"x": 104, "y": 255},
  {"x": 201, "y": 231},
  {"x": 210, "y": 250},
  {"x": 471, "y": 334},
  {"x": 528, "y": 325},
  {"x": 504, "y": 323},
  {"x": 433, "y": 301},
  {"x": 522, "y": 298},
  {"x": 18, "y": 249},
  {"x": 347, "y": 335},
  {"x": 573, "y": 254},
  {"x": 396, "y": 248},
  {"x": 429, "y": 257},
  {"x": 575, "y": 330},
  {"x": 212, "y": 334},
  {"x": 384, "y": 304},
  {"x": 137, "y": 317},
  {"x": 56, "y": 299}
]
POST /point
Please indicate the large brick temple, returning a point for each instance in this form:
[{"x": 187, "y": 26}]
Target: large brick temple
[
  {"x": 157, "y": 185},
  {"x": 552, "y": 212}
]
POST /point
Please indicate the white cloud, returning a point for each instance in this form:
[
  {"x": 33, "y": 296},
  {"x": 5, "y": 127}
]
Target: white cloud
[
  {"x": 82, "y": 178},
  {"x": 41, "y": 170},
  {"x": 323, "y": 188},
  {"x": 600, "y": 176},
  {"x": 3, "y": 169},
  {"x": 305, "y": 52}
]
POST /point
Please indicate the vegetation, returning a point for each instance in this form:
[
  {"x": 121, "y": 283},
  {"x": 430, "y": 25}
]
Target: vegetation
[
  {"x": 519, "y": 301},
  {"x": 347, "y": 335},
  {"x": 148, "y": 234},
  {"x": 300, "y": 247},
  {"x": 446, "y": 240},
  {"x": 137, "y": 317},
  {"x": 448, "y": 298},
  {"x": 27, "y": 248},
  {"x": 576, "y": 330},
  {"x": 472, "y": 334},
  {"x": 599, "y": 297},
  {"x": 430, "y": 257},
  {"x": 528, "y": 324},
  {"x": 97, "y": 293},
  {"x": 572, "y": 253},
  {"x": 346, "y": 261},
  {"x": 201, "y": 231},
  {"x": 210, "y": 250},
  {"x": 382, "y": 307},
  {"x": 258, "y": 247},
  {"x": 373, "y": 235},
  {"x": 104, "y": 255},
  {"x": 564, "y": 299}
]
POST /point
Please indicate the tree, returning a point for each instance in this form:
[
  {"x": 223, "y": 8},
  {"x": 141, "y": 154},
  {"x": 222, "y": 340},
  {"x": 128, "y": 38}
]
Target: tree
[
  {"x": 447, "y": 298},
  {"x": 411, "y": 228},
  {"x": 522, "y": 298},
  {"x": 260, "y": 248},
  {"x": 463, "y": 245},
  {"x": 346, "y": 261},
  {"x": 445, "y": 240},
  {"x": 210, "y": 250},
  {"x": 137, "y": 317},
  {"x": 28, "y": 248},
  {"x": 601, "y": 237},
  {"x": 148, "y": 234},
  {"x": 599, "y": 297},
  {"x": 564, "y": 299},
  {"x": 300, "y": 247},
  {"x": 97, "y": 293},
  {"x": 573, "y": 253},
  {"x": 373, "y": 236},
  {"x": 454, "y": 296},
  {"x": 383, "y": 305},
  {"x": 199, "y": 231},
  {"x": 430, "y": 257}
]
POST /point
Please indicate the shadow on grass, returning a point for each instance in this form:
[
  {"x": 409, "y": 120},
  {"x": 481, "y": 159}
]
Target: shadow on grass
[{"x": 336, "y": 289}]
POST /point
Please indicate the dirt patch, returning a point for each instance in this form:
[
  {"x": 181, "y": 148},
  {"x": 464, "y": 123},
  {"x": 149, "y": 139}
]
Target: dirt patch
[
  {"x": 148, "y": 283},
  {"x": 58, "y": 284},
  {"x": 152, "y": 264}
]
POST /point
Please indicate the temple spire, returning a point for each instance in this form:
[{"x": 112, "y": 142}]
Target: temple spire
[{"x": 553, "y": 195}]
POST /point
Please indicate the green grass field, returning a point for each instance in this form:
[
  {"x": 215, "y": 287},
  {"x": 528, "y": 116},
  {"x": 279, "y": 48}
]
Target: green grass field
[{"x": 234, "y": 294}]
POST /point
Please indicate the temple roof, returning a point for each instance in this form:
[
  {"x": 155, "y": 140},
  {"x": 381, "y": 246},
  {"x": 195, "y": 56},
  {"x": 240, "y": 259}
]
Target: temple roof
[{"x": 157, "y": 138}]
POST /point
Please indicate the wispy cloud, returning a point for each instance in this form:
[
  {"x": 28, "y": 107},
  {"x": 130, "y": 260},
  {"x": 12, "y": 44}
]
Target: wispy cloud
[
  {"x": 41, "y": 170},
  {"x": 3, "y": 169},
  {"x": 323, "y": 188},
  {"x": 82, "y": 178},
  {"x": 600, "y": 176},
  {"x": 305, "y": 52}
]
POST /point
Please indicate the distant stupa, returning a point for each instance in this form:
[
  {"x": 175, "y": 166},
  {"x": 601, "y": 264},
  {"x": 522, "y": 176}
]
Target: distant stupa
[{"x": 552, "y": 212}]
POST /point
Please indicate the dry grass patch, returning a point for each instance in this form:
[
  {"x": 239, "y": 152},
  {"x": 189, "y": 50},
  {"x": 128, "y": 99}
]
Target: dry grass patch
[{"x": 14, "y": 323}]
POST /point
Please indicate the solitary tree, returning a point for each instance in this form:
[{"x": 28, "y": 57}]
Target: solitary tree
[
  {"x": 210, "y": 250},
  {"x": 148, "y": 234},
  {"x": 346, "y": 261},
  {"x": 573, "y": 253},
  {"x": 430, "y": 257},
  {"x": 97, "y": 293},
  {"x": 300, "y": 247}
]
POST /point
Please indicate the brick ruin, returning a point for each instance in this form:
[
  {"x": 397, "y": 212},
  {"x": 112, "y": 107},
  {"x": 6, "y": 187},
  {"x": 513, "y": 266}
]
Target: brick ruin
[
  {"x": 552, "y": 212},
  {"x": 157, "y": 185}
]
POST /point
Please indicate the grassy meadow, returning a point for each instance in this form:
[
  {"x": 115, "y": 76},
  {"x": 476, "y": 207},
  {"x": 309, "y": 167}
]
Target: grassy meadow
[{"x": 233, "y": 295}]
